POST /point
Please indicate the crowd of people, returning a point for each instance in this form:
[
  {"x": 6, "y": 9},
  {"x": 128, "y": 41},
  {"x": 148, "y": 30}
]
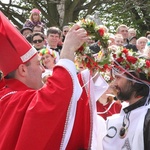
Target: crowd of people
[{"x": 50, "y": 100}]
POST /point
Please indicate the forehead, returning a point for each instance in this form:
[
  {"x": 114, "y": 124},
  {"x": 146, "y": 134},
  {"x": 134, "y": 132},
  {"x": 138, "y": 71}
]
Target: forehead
[
  {"x": 37, "y": 36},
  {"x": 123, "y": 29},
  {"x": 116, "y": 70},
  {"x": 119, "y": 38},
  {"x": 46, "y": 56},
  {"x": 132, "y": 31},
  {"x": 53, "y": 35},
  {"x": 142, "y": 41},
  {"x": 27, "y": 30},
  {"x": 35, "y": 14},
  {"x": 37, "y": 28},
  {"x": 35, "y": 58},
  {"x": 66, "y": 28}
]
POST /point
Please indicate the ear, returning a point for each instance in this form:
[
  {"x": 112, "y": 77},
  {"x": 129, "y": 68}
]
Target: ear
[{"x": 22, "y": 70}]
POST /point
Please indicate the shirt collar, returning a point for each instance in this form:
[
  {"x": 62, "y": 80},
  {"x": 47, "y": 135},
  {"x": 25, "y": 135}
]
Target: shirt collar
[{"x": 139, "y": 103}]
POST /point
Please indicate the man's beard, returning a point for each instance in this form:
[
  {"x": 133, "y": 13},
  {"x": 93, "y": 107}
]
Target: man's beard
[{"x": 125, "y": 93}]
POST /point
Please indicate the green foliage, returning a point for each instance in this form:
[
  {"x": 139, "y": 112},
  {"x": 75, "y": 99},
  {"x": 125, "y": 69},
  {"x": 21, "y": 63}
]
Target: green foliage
[{"x": 133, "y": 13}]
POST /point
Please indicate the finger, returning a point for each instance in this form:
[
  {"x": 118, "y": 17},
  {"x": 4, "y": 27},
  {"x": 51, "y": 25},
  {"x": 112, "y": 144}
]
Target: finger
[
  {"x": 81, "y": 33},
  {"x": 74, "y": 27}
]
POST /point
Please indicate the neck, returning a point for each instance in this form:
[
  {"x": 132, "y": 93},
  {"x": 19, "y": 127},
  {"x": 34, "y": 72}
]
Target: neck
[
  {"x": 134, "y": 100},
  {"x": 125, "y": 41},
  {"x": 52, "y": 46}
]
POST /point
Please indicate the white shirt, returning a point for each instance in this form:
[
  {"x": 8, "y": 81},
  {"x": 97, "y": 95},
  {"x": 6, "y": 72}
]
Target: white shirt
[{"x": 134, "y": 136}]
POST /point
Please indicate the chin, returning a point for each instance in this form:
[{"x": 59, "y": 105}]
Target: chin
[{"x": 121, "y": 98}]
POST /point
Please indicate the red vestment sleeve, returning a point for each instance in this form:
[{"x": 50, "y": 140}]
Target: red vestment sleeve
[{"x": 35, "y": 120}]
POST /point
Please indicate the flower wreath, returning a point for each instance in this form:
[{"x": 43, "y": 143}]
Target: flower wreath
[
  {"x": 100, "y": 60},
  {"x": 131, "y": 61},
  {"x": 107, "y": 57},
  {"x": 47, "y": 51}
]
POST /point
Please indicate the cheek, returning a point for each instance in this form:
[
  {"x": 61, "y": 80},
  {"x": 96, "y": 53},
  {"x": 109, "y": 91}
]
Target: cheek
[
  {"x": 31, "y": 73},
  {"x": 49, "y": 39},
  {"x": 35, "y": 72},
  {"x": 45, "y": 62}
]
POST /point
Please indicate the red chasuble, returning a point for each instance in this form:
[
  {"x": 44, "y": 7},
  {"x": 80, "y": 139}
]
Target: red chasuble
[
  {"x": 80, "y": 137},
  {"x": 86, "y": 126},
  {"x": 35, "y": 120},
  {"x": 41, "y": 120}
]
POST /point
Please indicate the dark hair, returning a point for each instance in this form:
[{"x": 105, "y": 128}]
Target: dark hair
[
  {"x": 94, "y": 48},
  {"x": 131, "y": 46},
  {"x": 147, "y": 33},
  {"x": 66, "y": 26},
  {"x": 141, "y": 89},
  {"x": 1, "y": 75},
  {"x": 39, "y": 26},
  {"x": 38, "y": 33},
  {"x": 29, "y": 38},
  {"x": 25, "y": 28},
  {"x": 53, "y": 30},
  {"x": 12, "y": 74},
  {"x": 133, "y": 37}
]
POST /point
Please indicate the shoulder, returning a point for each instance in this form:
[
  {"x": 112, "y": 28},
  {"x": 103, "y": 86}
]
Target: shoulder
[{"x": 28, "y": 23}]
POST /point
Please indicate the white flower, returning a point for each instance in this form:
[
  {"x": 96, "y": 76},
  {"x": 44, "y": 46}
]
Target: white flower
[
  {"x": 123, "y": 55},
  {"x": 141, "y": 63},
  {"x": 134, "y": 66},
  {"x": 130, "y": 53},
  {"x": 145, "y": 71},
  {"x": 106, "y": 77}
]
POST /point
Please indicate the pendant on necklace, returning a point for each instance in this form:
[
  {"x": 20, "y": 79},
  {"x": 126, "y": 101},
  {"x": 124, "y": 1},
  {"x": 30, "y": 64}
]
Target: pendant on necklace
[
  {"x": 125, "y": 126},
  {"x": 123, "y": 132}
]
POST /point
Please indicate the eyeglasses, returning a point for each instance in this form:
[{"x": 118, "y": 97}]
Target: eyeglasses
[
  {"x": 65, "y": 31},
  {"x": 148, "y": 37},
  {"x": 37, "y": 41}
]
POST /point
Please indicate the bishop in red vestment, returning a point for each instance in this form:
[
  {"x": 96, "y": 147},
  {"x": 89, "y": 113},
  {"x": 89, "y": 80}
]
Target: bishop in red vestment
[{"x": 55, "y": 116}]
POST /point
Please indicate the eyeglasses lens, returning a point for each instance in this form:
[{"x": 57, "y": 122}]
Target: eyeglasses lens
[
  {"x": 148, "y": 37},
  {"x": 37, "y": 41},
  {"x": 65, "y": 31}
]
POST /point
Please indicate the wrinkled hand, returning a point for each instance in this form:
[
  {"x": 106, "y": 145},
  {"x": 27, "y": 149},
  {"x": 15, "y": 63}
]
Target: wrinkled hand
[{"x": 73, "y": 41}]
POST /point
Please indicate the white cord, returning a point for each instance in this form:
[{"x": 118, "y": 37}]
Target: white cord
[{"x": 99, "y": 113}]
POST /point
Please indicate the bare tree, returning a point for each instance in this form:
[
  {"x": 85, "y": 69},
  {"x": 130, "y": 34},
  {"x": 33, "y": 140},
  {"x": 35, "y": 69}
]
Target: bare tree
[{"x": 133, "y": 13}]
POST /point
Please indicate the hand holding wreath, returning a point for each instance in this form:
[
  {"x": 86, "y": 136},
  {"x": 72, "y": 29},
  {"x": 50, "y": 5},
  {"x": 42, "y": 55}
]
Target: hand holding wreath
[{"x": 98, "y": 61}]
